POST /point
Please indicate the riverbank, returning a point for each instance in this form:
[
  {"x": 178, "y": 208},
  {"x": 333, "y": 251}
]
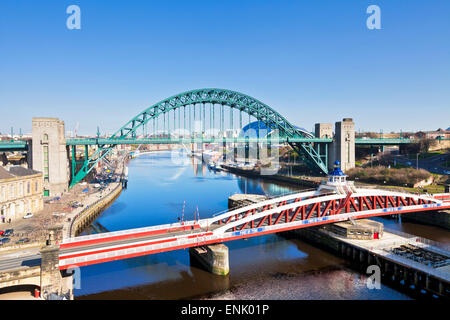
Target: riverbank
[
  {"x": 94, "y": 205},
  {"x": 92, "y": 210},
  {"x": 303, "y": 181}
]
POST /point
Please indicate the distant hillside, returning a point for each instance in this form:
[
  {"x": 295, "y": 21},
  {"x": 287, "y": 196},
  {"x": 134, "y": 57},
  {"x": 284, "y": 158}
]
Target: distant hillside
[{"x": 448, "y": 129}]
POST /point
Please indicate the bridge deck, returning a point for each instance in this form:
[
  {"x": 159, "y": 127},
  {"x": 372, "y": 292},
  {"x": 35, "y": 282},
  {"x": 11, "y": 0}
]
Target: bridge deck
[
  {"x": 180, "y": 140},
  {"x": 126, "y": 243},
  {"x": 270, "y": 216}
]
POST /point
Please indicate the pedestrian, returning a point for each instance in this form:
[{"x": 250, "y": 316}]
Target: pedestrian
[
  {"x": 3, "y": 219},
  {"x": 9, "y": 220}
]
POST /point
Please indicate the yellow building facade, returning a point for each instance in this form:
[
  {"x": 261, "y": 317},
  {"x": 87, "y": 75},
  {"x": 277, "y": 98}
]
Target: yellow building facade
[{"x": 21, "y": 192}]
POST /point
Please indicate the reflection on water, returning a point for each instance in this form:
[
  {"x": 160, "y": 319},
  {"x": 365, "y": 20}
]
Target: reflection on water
[{"x": 265, "y": 267}]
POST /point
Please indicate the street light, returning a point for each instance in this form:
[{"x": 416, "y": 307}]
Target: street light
[{"x": 417, "y": 161}]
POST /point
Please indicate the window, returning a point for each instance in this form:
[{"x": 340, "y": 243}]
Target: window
[
  {"x": 11, "y": 191},
  {"x": 28, "y": 187},
  {"x": 45, "y": 137},
  {"x": 46, "y": 176},
  {"x": 20, "y": 190},
  {"x": 36, "y": 186}
]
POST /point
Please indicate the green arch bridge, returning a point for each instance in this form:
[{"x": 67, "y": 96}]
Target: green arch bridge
[{"x": 197, "y": 116}]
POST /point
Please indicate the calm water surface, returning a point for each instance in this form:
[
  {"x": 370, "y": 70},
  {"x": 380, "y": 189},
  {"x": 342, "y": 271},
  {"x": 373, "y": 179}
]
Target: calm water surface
[{"x": 266, "y": 267}]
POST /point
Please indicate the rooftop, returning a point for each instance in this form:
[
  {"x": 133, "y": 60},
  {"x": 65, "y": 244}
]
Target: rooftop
[
  {"x": 4, "y": 174},
  {"x": 16, "y": 171},
  {"x": 337, "y": 170},
  {"x": 21, "y": 171}
]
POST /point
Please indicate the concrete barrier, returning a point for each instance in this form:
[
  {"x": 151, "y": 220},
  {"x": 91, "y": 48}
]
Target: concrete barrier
[{"x": 15, "y": 247}]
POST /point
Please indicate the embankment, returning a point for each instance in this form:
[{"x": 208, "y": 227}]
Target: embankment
[
  {"x": 311, "y": 182},
  {"x": 88, "y": 214}
]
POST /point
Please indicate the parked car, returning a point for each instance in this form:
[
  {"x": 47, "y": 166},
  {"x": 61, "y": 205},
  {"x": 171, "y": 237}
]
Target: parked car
[
  {"x": 8, "y": 232},
  {"x": 5, "y": 240},
  {"x": 2, "y": 232},
  {"x": 23, "y": 240},
  {"x": 28, "y": 215},
  {"x": 56, "y": 214},
  {"x": 76, "y": 204}
]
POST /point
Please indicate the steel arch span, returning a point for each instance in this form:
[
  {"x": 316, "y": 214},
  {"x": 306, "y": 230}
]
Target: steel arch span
[{"x": 233, "y": 99}]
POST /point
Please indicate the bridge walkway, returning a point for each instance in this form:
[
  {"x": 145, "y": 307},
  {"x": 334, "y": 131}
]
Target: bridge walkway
[{"x": 134, "y": 241}]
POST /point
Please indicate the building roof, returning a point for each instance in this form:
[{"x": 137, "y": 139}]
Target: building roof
[
  {"x": 22, "y": 172},
  {"x": 258, "y": 124},
  {"x": 4, "y": 174},
  {"x": 337, "y": 170}
]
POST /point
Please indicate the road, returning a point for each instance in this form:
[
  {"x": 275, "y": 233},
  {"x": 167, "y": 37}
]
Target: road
[
  {"x": 27, "y": 258},
  {"x": 431, "y": 164}
]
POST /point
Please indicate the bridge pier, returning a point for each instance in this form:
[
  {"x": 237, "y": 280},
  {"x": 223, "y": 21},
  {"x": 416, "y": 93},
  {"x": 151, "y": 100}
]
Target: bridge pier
[
  {"x": 50, "y": 275},
  {"x": 53, "y": 284},
  {"x": 213, "y": 258}
]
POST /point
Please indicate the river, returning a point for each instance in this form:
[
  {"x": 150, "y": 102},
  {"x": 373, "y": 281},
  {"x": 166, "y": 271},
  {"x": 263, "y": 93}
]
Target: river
[{"x": 265, "y": 267}]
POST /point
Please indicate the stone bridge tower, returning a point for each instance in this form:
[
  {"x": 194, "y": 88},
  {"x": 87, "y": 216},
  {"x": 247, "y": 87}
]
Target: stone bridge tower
[
  {"x": 49, "y": 154},
  {"x": 343, "y": 146}
]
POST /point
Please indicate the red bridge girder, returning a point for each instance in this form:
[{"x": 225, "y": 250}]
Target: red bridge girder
[{"x": 350, "y": 203}]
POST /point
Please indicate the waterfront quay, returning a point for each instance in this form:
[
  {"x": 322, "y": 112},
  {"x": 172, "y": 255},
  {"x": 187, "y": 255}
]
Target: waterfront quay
[{"x": 404, "y": 260}]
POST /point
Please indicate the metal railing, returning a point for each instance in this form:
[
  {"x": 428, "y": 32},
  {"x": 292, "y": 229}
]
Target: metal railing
[
  {"x": 267, "y": 198},
  {"x": 419, "y": 239}
]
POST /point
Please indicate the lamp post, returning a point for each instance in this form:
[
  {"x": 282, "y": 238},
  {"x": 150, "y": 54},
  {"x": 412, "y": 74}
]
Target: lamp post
[{"x": 417, "y": 161}]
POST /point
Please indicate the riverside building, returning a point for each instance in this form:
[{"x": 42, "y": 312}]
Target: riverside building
[{"x": 20, "y": 192}]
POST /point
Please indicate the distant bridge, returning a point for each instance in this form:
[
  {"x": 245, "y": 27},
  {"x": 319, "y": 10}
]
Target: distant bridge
[
  {"x": 176, "y": 140},
  {"x": 22, "y": 145},
  {"x": 185, "y": 118}
]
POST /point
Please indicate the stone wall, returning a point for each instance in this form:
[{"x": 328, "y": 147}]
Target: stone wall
[
  {"x": 21, "y": 276},
  {"x": 90, "y": 213},
  {"x": 434, "y": 218}
]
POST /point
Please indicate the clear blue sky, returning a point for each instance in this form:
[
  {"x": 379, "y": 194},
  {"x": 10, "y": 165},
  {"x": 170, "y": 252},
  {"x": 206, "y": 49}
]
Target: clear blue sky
[{"x": 313, "y": 61}]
